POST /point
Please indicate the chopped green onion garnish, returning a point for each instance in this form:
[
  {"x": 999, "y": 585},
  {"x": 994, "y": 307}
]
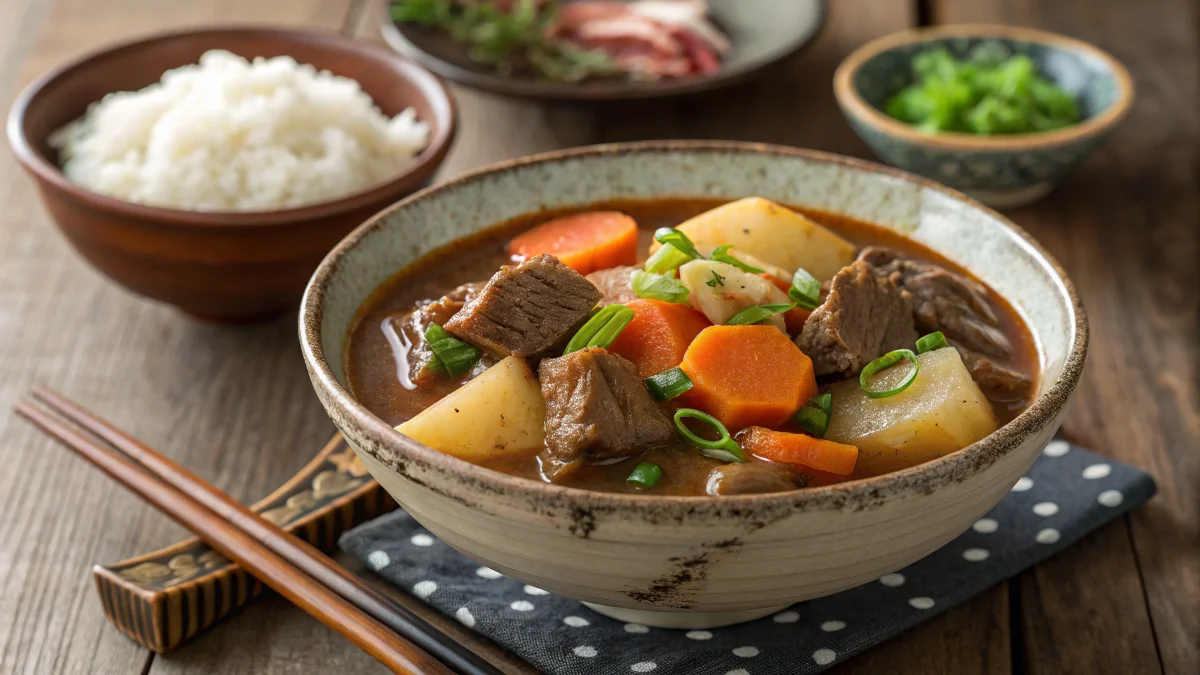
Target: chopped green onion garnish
[
  {"x": 813, "y": 420},
  {"x": 716, "y": 280},
  {"x": 672, "y": 236},
  {"x": 887, "y": 361},
  {"x": 600, "y": 330},
  {"x": 658, "y": 287},
  {"x": 609, "y": 331},
  {"x": 451, "y": 354},
  {"x": 934, "y": 340},
  {"x": 805, "y": 290},
  {"x": 824, "y": 402},
  {"x": 757, "y": 313},
  {"x": 724, "y": 448},
  {"x": 666, "y": 259},
  {"x": 668, "y": 384},
  {"x": 645, "y": 474},
  {"x": 721, "y": 254}
]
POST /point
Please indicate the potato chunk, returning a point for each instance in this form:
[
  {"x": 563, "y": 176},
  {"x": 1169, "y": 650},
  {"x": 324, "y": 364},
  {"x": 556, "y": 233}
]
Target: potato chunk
[
  {"x": 941, "y": 412},
  {"x": 720, "y": 290},
  {"x": 500, "y": 412},
  {"x": 772, "y": 233}
]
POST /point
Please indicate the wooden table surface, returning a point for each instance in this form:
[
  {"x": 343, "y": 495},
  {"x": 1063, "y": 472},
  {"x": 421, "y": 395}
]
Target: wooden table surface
[{"x": 235, "y": 405}]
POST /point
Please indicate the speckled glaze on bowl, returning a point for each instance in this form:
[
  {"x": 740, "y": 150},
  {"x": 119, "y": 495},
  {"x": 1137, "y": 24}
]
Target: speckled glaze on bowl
[
  {"x": 1002, "y": 171},
  {"x": 695, "y": 561}
]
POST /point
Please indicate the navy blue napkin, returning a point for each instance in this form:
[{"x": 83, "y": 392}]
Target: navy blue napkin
[{"x": 1066, "y": 494}]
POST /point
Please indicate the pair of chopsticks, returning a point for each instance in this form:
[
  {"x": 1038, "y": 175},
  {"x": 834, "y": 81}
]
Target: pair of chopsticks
[{"x": 383, "y": 628}]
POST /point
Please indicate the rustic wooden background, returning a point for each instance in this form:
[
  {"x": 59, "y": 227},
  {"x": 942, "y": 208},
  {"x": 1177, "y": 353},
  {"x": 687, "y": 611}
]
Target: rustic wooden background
[{"x": 234, "y": 404}]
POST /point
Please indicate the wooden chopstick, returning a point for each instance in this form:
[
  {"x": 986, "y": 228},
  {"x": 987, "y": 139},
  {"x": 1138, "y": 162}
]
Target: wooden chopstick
[
  {"x": 300, "y": 554},
  {"x": 393, "y": 651}
]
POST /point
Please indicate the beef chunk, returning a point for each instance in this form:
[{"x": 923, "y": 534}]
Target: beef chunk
[
  {"x": 408, "y": 342},
  {"x": 998, "y": 382},
  {"x": 943, "y": 300},
  {"x": 864, "y": 317},
  {"x": 597, "y": 408},
  {"x": 525, "y": 310},
  {"x": 615, "y": 284},
  {"x": 748, "y": 478}
]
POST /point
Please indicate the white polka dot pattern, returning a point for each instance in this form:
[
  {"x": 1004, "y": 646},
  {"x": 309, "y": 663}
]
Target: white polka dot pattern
[
  {"x": 1097, "y": 471},
  {"x": 921, "y": 602},
  {"x": 698, "y": 635},
  {"x": 424, "y": 589},
  {"x": 576, "y": 621},
  {"x": 585, "y": 651},
  {"x": 1048, "y": 536},
  {"x": 422, "y": 539},
  {"x": 378, "y": 560},
  {"x": 1045, "y": 509},
  {"x": 893, "y": 580},
  {"x": 738, "y": 671},
  {"x": 746, "y": 652},
  {"x": 824, "y": 657},
  {"x": 643, "y": 666},
  {"x": 976, "y": 554},
  {"x": 985, "y": 526},
  {"x": 487, "y": 573},
  {"x": 832, "y": 626},
  {"x": 1057, "y": 448},
  {"x": 636, "y": 628},
  {"x": 1024, "y": 483},
  {"x": 1111, "y": 498},
  {"x": 522, "y": 605},
  {"x": 786, "y": 617},
  {"x": 465, "y": 617},
  {"x": 534, "y": 590}
]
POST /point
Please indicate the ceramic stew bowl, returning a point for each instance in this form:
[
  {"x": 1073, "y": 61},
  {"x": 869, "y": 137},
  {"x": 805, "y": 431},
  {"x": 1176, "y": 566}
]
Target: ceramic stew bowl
[
  {"x": 695, "y": 561},
  {"x": 220, "y": 266},
  {"x": 1003, "y": 170}
]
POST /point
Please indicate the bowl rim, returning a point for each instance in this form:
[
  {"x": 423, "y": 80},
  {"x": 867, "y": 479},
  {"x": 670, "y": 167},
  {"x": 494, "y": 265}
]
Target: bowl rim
[
  {"x": 432, "y": 88},
  {"x": 854, "y": 105},
  {"x": 858, "y": 494}
]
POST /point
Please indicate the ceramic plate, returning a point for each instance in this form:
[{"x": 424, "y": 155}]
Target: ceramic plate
[{"x": 763, "y": 32}]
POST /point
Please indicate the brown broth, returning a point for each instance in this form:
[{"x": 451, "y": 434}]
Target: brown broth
[{"x": 371, "y": 371}]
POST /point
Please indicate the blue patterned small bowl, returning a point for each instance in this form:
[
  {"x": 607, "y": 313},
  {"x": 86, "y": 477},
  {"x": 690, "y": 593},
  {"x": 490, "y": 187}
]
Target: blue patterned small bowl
[{"x": 1002, "y": 171}]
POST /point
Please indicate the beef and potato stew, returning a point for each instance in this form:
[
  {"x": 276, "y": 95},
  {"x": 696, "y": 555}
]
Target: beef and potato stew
[{"x": 691, "y": 347}]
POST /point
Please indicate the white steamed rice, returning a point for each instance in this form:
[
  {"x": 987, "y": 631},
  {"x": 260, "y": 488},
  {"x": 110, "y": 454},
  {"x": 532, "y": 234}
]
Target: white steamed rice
[{"x": 230, "y": 135}]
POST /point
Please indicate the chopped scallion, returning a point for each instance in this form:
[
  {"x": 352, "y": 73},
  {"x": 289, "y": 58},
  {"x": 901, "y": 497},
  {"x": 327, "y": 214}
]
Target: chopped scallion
[
  {"x": 934, "y": 340},
  {"x": 449, "y": 353},
  {"x": 645, "y": 474},
  {"x": 805, "y": 290},
  {"x": 672, "y": 236},
  {"x": 666, "y": 259},
  {"x": 658, "y": 287},
  {"x": 716, "y": 280},
  {"x": 724, "y": 448},
  {"x": 887, "y": 361},
  {"x": 757, "y": 313},
  {"x": 813, "y": 420},
  {"x": 824, "y": 402},
  {"x": 601, "y": 329},
  {"x": 721, "y": 254},
  {"x": 668, "y": 384}
]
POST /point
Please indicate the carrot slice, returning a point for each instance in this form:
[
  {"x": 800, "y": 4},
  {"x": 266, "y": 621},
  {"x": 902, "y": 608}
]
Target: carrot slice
[
  {"x": 747, "y": 375},
  {"x": 659, "y": 335},
  {"x": 795, "y": 317},
  {"x": 585, "y": 242},
  {"x": 781, "y": 446}
]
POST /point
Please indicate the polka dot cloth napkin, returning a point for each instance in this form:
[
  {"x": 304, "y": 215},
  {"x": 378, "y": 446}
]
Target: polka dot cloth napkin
[{"x": 1067, "y": 493}]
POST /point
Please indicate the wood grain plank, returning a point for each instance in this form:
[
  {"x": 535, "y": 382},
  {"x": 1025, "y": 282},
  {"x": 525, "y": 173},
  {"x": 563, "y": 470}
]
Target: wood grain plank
[
  {"x": 1125, "y": 228},
  {"x": 233, "y": 404}
]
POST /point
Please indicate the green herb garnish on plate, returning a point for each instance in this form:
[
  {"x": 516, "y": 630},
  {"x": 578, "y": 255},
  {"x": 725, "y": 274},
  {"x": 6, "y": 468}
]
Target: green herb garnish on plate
[{"x": 989, "y": 93}]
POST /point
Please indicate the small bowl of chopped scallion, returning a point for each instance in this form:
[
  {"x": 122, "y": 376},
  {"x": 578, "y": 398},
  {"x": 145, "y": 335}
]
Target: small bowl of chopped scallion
[{"x": 1000, "y": 112}]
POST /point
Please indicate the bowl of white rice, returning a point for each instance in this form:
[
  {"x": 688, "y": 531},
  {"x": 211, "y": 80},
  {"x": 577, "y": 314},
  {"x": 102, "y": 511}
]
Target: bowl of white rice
[{"x": 213, "y": 169}]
